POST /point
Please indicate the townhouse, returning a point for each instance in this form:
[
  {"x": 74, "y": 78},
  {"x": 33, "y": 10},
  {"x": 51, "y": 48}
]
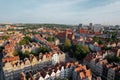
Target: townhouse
[
  {"x": 100, "y": 66},
  {"x": 68, "y": 70},
  {"x": 29, "y": 47},
  {"x": 13, "y": 69},
  {"x": 11, "y": 46}
]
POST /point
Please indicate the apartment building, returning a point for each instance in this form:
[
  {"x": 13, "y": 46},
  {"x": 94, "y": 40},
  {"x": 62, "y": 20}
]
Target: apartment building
[
  {"x": 12, "y": 70},
  {"x": 68, "y": 70}
]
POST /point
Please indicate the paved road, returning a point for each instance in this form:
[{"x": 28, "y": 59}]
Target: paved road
[{"x": 69, "y": 58}]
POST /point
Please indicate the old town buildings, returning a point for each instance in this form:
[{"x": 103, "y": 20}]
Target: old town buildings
[
  {"x": 68, "y": 70},
  {"x": 101, "y": 67},
  {"x": 12, "y": 70},
  {"x": 56, "y": 64}
]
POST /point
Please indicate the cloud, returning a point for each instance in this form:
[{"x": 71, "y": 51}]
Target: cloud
[
  {"x": 107, "y": 14},
  {"x": 63, "y": 11}
]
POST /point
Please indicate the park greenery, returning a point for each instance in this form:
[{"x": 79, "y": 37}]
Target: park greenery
[
  {"x": 112, "y": 58},
  {"x": 43, "y": 49},
  {"x": 51, "y": 39},
  {"x": 4, "y": 37},
  {"x": 77, "y": 51},
  {"x": 21, "y": 55},
  {"x": 106, "y": 48},
  {"x": 26, "y": 54},
  {"x": 35, "y": 26},
  {"x": 66, "y": 46},
  {"x": 98, "y": 40},
  {"x": 112, "y": 38},
  {"x": 25, "y": 40}
]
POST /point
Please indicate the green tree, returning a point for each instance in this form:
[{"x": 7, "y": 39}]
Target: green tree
[
  {"x": 28, "y": 38},
  {"x": 79, "y": 51},
  {"x": 16, "y": 53},
  {"x": 96, "y": 39},
  {"x": 101, "y": 42},
  {"x": 23, "y": 55},
  {"x": 114, "y": 36},
  {"x": 106, "y": 48},
  {"x": 66, "y": 45},
  {"x": 50, "y": 39},
  {"x": 109, "y": 40},
  {"x": 25, "y": 40},
  {"x": 85, "y": 49},
  {"x": 26, "y": 54},
  {"x": 19, "y": 53},
  {"x": 4, "y": 37},
  {"x": 112, "y": 58},
  {"x": 67, "y": 42},
  {"x": 34, "y": 53},
  {"x": 43, "y": 49}
]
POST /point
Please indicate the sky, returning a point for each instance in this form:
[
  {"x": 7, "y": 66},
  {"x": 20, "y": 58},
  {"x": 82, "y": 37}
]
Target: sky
[{"x": 60, "y": 11}]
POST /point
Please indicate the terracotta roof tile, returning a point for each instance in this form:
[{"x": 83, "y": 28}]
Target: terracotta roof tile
[{"x": 88, "y": 73}]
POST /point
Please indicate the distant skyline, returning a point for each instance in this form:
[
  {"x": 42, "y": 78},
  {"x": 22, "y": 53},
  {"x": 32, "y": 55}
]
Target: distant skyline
[{"x": 60, "y": 11}]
